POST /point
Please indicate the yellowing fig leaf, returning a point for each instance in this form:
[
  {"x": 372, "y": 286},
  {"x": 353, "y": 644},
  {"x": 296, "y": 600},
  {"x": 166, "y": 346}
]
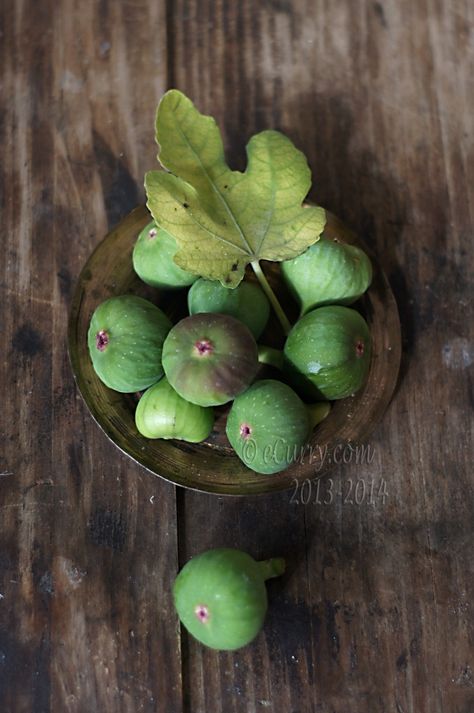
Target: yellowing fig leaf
[{"x": 223, "y": 219}]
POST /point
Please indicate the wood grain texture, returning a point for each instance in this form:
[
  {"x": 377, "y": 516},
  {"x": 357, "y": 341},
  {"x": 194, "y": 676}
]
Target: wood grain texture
[
  {"x": 85, "y": 587},
  {"x": 375, "y": 613}
]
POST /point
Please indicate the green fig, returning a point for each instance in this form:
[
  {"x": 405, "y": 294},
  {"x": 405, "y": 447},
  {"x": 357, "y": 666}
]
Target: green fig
[
  {"x": 328, "y": 272},
  {"x": 246, "y": 302},
  {"x": 153, "y": 259},
  {"x": 327, "y": 353},
  {"x": 210, "y": 358},
  {"x": 221, "y": 598},
  {"x": 125, "y": 341},
  {"x": 318, "y": 412},
  {"x": 162, "y": 413},
  {"x": 268, "y": 426}
]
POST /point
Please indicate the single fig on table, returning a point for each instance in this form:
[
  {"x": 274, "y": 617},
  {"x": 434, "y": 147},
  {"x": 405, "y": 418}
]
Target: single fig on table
[
  {"x": 328, "y": 272},
  {"x": 153, "y": 259},
  {"x": 246, "y": 302},
  {"x": 268, "y": 426},
  {"x": 327, "y": 353},
  {"x": 210, "y": 358},
  {"x": 125, "y": 341},
  {"x": 162, "y": 413},
  {"x": 221, "y": 599}
]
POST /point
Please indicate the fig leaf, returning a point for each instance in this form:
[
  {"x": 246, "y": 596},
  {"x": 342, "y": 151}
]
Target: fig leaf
[{"x": 223, "y": 219}]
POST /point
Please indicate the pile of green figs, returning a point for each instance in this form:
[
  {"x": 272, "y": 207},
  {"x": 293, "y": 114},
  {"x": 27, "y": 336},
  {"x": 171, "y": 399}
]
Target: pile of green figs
[{"x": 212, "y": 356}]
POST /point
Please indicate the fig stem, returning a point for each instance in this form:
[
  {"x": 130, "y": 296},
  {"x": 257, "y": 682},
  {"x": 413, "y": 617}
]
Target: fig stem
[
  {"x": 269, "y": 355},
  {"x": 318, "y": 412},
  {"x": 265, "y": 285},
  {"x": 273, "y": 567}
]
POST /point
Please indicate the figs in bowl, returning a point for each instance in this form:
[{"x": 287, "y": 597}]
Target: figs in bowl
[{"x": 212, "y": 465}]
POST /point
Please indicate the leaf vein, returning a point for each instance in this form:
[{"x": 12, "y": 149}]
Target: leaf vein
[{"x": 216, "y": 191}]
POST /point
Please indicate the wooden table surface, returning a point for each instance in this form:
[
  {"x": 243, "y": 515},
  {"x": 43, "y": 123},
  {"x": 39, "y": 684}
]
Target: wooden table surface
[{"x": 375, "y": 613}]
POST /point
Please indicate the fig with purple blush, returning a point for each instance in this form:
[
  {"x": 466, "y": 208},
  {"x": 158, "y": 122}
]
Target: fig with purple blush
[
  {"x": 268, "y": 426},
  {"x": 125, "y": 341},
  {"x": 221, "y": 598},
  {"x": 163, "y": 413},
  {"x": 327, "y": 353},
  {"x": 210, "y": 358},
  {"x": 153, "y": 259}
]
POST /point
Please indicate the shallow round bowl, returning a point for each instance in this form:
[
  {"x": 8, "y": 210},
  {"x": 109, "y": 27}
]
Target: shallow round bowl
[{"x": 212, "y": 466}]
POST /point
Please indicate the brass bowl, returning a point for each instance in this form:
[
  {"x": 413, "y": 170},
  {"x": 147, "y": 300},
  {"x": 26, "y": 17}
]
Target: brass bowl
[{"x": 212, "y": 466}]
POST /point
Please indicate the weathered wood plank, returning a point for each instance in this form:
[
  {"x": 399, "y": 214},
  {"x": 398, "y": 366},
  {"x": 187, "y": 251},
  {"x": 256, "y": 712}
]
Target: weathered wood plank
[
  {"x": 377, "y": 610},
  {"x": 88, "y": 540}
]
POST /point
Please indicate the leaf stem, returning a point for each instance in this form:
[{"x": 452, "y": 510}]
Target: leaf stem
[{"x": 283, "y": 319}]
